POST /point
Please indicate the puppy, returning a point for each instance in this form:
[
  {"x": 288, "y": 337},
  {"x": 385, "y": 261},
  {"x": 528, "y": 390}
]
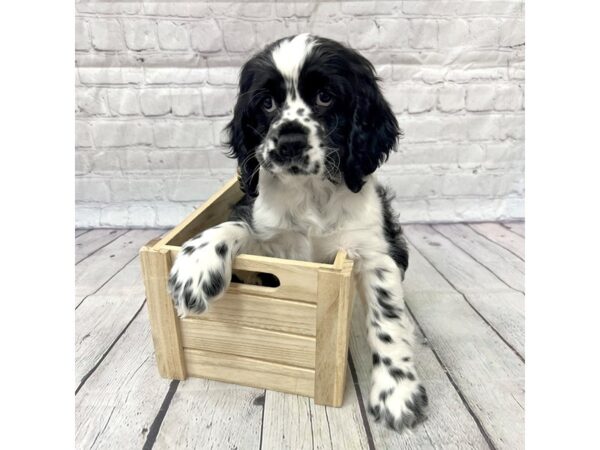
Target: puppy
[{"x": 310, "y": 127}]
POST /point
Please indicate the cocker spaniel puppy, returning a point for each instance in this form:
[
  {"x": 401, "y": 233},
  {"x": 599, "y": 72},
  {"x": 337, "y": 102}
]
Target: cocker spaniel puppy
[{"x": 310, "y": 127}]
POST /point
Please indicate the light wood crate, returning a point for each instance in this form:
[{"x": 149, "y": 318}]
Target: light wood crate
[{"x": 292, "y": 338}]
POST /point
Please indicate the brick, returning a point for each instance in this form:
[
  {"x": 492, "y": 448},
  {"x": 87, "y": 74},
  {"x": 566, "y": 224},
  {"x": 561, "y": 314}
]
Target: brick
[
  {"x": 338, "y": 31},
  {"x": 272, "y": 30},
  {"x": 164, "y": 8},
  {"x": 218, "y": 74},
  {"x": 393, "y": 33},
  {"x": 86, "y": 217},
  {"x": 500, "y": 153},
  {"x": 483, "y": 128},
  {"x": 124, "y": 102},
  {"x": 326, "y": 11},
  {"x": 199, "y": 9},
  {"x": 414, "y": 185},
  {"x": 423, "y": 33},
  {"x": 218, "y": 160},
  {"x": 140, "y": 34},
  {"x": 453, "y": 33},
  {"x": 121, "y": 134},
  {"x": 451, "y": 98},
  {"x": 460, "y": 184},
  {"x": 110, "y": 75},
  {"x": 489, "y": 8},
  {"x": 106, "y": 34},
  {"x": 508, "y": 98},
  {"x": 284, "y": 9},
  {"x": 256, "y": 9},
  {"x": 82, "y": 134},
  {"x": 176, "y": 75},
  {"x": 218, "y": 101},
  {"x": 471, "y": 155},
  {"x": 512, "y": 127},
  {"x": 358, "y": 8},
  {"x": 155, "y": 102},
  {"x": 206, "y": 36},
  {"x": 186, "y": 102},
  {"x": 112, "y": 7},
  {"x": 134, "y": 160},
  {"x": 396, "y": 95},
  {"x": 512, "y": 33},
  {"x": 165, "y": 160},
  {"x": 430, "y": 7},
  {"x": 173, "y": 36},
  {"x": 92, "y": 190},
  {"x": 141, "y": 216},
  {"x": 421, "y": 99},
  {"x": 480, "y": 97},
  {"x": 82, "y": 163},
  {"x": 192, "y": 160},
  {"x": 82, "y": 35},
  {"x": 220, "y": 134},
  {"x": 484, "y": 32},
  {"x": 238, "y": 36},
  {"x": 114, "y": 215},
  {"x": 105, "y": 161},
  {"x": 168, "y": 215},
  {"x": 183, "y": 134},
  {"x": 190, "y": 189},
  {"x": 364, "y": 34},
  {"x": 91, "y": 101},
  {"x": 128, "y": 189}
]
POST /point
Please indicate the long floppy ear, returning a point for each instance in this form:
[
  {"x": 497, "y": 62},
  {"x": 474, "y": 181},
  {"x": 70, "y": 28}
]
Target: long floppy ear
[
  {"x": 242, "y": 140},
  {"x": 374, "y": 131}
]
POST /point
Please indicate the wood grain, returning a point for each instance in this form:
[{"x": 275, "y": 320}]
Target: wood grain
[
  {"x": 249, "y": 372},
  {"x": 503, "y": 237},
  {"x": 515, "y": 227},
  {"x": 93, "y": 240},
  {"x": 273, "y": 346},
  {"x": 263, "y": 312}
]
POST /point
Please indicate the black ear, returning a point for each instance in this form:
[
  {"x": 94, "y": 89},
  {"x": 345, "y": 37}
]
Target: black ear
[
  {"x": 242, "y": 140},
  {"x": 374, "y": 131}
]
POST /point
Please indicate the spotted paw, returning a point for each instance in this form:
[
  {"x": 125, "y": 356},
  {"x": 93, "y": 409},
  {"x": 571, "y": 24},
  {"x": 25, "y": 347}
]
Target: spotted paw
[
  {"x": 200, "y": 274},
  {"x": 397, "y": 397}
]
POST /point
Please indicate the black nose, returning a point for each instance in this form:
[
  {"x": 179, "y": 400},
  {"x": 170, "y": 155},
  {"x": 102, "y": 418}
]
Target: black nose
[{"x": 291, "y": 145}]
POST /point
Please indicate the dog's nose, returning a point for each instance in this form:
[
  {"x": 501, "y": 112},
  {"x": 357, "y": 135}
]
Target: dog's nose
[{"x": 291, "y": 145}]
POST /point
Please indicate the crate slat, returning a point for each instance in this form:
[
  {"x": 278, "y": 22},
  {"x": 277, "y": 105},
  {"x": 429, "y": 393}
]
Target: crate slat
[
  {"x": 249, "y": 372},
  {"x": 250, "y": 342},
  {"x": 263, "y": 312}
]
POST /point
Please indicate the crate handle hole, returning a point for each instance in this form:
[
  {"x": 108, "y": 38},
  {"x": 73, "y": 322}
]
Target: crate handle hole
[{"x": 255, "y": 278}]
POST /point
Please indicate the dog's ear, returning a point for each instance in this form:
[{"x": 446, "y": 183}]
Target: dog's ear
[
  {"x": 242, "y": 140},
  {"x": 374, "y": 129}
]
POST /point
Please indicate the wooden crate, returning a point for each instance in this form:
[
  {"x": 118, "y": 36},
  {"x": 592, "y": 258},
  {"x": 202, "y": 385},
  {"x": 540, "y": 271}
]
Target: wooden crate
[{"x": 292, "y": 338}]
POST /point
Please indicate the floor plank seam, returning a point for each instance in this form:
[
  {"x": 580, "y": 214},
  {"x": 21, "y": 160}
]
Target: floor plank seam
[
  {"x": 84, "y": 232},
  {"x": 101, "y": 247},
  {"x": 512, "y": 231},
  {"x": 262, "y": 419},
  {"x": 106, "y": 282},
  {"x": 105, "y": 354},
  {"x": 514, "y": 350},
  {"x": 476, "y": 260},
  {"x": 361, "y": 405},
  {"x": 494, "y": 242},
  {"x": 460, "y": 394},
  {"x": 160, "y": 416}
]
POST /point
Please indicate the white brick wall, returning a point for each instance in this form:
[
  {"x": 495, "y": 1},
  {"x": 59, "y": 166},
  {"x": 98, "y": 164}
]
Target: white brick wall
[{"x": 155, "y": 84}]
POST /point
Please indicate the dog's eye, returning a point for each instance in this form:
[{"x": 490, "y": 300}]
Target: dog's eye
[
  {"x": 269, "y": 104},
  {"x": 324, "y": 98}
]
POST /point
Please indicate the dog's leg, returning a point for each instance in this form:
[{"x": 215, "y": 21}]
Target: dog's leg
[
  {"x": 397, "y": 395},
  {"x": 202, "y": 270}
]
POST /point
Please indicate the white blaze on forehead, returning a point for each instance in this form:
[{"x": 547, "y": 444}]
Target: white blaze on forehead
[{"x": 290, "y": 55}]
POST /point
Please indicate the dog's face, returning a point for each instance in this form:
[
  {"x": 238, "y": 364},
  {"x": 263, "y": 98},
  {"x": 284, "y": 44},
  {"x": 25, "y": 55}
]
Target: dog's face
[{"x": 310, "y": 107}]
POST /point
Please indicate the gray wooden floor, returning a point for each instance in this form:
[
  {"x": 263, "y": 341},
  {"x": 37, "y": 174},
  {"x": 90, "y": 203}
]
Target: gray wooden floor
[{"x": 464, "y": 288}]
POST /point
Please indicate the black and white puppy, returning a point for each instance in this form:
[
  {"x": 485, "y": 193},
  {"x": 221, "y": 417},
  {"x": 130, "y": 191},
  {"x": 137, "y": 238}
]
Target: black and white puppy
[{"x": 310, "y": 127}]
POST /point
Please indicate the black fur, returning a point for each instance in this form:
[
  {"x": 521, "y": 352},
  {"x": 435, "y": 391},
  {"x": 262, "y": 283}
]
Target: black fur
[{"x": 393, "y": 231}]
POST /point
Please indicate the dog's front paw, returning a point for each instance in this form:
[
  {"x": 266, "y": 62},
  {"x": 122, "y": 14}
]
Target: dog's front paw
[
  {"x": 200, "y": 274},
  {"x": 398, "y": 397}
]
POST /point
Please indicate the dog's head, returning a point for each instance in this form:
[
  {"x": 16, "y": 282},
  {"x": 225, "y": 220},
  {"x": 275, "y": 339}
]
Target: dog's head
[{"x": 310, "y": 107}]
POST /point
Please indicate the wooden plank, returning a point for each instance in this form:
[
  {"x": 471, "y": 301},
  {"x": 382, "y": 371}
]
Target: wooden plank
[
  {"x": 273, "y": 346},
  {"x": 104, "y": 315},
  {"x": 212, "y": 415},
  {"x": 166, "y": 334},
  {"x": 506, "y": 266},
  {"x": 333, "y": 314},
  {"x": 118, "y": 403},
  {"x": 250, "y": 372},
  {"x": 80, "y": 231},
  {"x": 212, "y": 212},
  {"x": 458, "y": 267},
  {"x": 501, "y": 236},
  {"x": 515, "y": 227},
  {"x": 489, "y": 374},
  {"x": 263, "y": 312},
  {"x": 500, "y": 306},
  {"x": 90, "y": 242},
  {"x": 96, "y": 270},
  {"x": 293, "y": 422},
  {"x": 449, "y": 423}
]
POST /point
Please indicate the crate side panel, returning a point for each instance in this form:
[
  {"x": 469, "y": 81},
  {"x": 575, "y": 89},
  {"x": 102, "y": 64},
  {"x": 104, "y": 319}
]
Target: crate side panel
[
  {"x": 250, "y": 342},
  {"x": 263, "y": 312},
  {"x": 250, "y": 372}
]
